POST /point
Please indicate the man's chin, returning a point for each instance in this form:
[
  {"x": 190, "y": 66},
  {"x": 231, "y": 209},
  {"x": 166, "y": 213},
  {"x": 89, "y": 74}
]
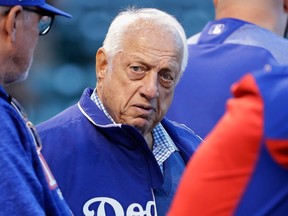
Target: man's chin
[
  {"x": 15, "y": 79},
  {"x": 142, "y": 125}
]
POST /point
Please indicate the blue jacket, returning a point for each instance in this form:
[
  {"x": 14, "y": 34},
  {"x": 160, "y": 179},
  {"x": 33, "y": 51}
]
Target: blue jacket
[
  {"x": 24, "y": 190},
  {"x": 225, "y": 50},
  {"x": 98, "y": 164}
]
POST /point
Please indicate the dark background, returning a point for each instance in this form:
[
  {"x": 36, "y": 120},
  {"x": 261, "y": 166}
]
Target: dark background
[{"x": 64, "y": 61}]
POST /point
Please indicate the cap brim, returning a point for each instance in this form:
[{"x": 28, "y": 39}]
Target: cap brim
[{"x": 54, "y": 10}]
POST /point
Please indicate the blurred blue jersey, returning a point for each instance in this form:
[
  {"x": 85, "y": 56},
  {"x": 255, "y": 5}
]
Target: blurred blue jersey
[{"x": 222, "y": 53}]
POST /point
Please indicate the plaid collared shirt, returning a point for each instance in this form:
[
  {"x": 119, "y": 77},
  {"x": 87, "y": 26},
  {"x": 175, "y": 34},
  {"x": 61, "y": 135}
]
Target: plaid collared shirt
[{"x": 163, "y": 144}]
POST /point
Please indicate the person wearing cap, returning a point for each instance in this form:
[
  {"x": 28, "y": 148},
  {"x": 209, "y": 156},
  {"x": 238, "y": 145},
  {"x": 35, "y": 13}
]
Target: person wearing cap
[
  {"x": 114, "y": 153},
  {"x": 26, "y": 184},
  {"x": 244, "y": 37}
]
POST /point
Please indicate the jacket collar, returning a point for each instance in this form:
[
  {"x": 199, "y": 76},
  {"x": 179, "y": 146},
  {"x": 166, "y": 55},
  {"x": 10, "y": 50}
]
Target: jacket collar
[{"x": 92, "y": 112}]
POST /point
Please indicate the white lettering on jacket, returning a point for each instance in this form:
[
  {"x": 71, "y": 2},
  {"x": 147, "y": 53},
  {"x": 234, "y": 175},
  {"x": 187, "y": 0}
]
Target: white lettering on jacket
[{"x": 134, "y": 209}]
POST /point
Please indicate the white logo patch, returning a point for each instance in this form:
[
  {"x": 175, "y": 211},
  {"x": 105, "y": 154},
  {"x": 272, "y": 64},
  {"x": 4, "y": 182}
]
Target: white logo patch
[
  {"x": 216, "y": 29},
  {"x": 133, "y": 209}
]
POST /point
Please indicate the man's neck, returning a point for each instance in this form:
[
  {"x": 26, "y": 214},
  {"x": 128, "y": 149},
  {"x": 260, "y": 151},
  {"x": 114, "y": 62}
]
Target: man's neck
[{"x": 149, "y": 139}]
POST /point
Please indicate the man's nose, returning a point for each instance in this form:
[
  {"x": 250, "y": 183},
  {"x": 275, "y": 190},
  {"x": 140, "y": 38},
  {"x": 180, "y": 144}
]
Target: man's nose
[{"x": 150, "y": 87}]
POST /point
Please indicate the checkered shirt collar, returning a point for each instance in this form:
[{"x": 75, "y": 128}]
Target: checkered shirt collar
[
  {"x": 94, "y": 97},
  {"x": 163, "y": 144}
]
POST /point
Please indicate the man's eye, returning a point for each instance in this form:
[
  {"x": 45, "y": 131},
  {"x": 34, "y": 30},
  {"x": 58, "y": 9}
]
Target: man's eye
[
  {"x": 136, "y": 72},
  {"x": 167, "y": 77},
  {"x": 136, "y": 69}
]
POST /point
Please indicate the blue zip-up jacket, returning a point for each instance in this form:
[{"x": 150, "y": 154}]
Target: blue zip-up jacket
[
  {"x": 24, "y": 190},
  {"x": 106, "y": 169}
]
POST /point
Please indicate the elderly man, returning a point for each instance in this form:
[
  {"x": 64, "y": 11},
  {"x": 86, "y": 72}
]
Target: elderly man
[
  {"x": 24, "y": 188},
  {"x": 114, "y": 153}
]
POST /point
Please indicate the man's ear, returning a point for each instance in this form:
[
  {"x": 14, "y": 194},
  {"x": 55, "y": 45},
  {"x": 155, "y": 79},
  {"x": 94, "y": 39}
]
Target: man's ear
[
  {"x": 101, "y": 64},
  {"x": 12, "y": 22}
]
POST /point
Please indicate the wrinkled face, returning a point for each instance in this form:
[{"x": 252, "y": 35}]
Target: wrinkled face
[{"x": 137, "y": 86}]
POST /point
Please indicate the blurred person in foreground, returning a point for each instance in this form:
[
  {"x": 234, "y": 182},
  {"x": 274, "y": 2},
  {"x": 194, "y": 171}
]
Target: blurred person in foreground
[
  {"x": 246, "y": 35},
  {"x": 114, "y": 153},
  {"x": 242, "y": 167},
  {"x": 24, "y": 188}
]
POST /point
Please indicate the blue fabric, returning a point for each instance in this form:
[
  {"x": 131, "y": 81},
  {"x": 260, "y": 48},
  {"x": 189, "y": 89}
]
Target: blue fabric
[
  {"x": 224, "y": 52},
  {"x": 267, "y": 190},
  {"x": 275, "y": 101},
  {"x": 173, "y": 169},
  {"x": 103, "y": 167},
  {"x": 23, "y": 186}
]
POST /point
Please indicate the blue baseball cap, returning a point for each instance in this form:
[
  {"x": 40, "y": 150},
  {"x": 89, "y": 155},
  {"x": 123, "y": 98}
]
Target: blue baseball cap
[{"x": 35, "y": 3}]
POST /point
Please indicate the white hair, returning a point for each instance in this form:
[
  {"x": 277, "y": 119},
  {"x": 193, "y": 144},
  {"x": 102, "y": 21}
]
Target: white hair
[{"x": 113, "y": 41}]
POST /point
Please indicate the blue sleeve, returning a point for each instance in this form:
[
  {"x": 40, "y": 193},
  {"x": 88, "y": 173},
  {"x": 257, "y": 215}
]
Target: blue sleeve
[{"x": 20, "y": 187}]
